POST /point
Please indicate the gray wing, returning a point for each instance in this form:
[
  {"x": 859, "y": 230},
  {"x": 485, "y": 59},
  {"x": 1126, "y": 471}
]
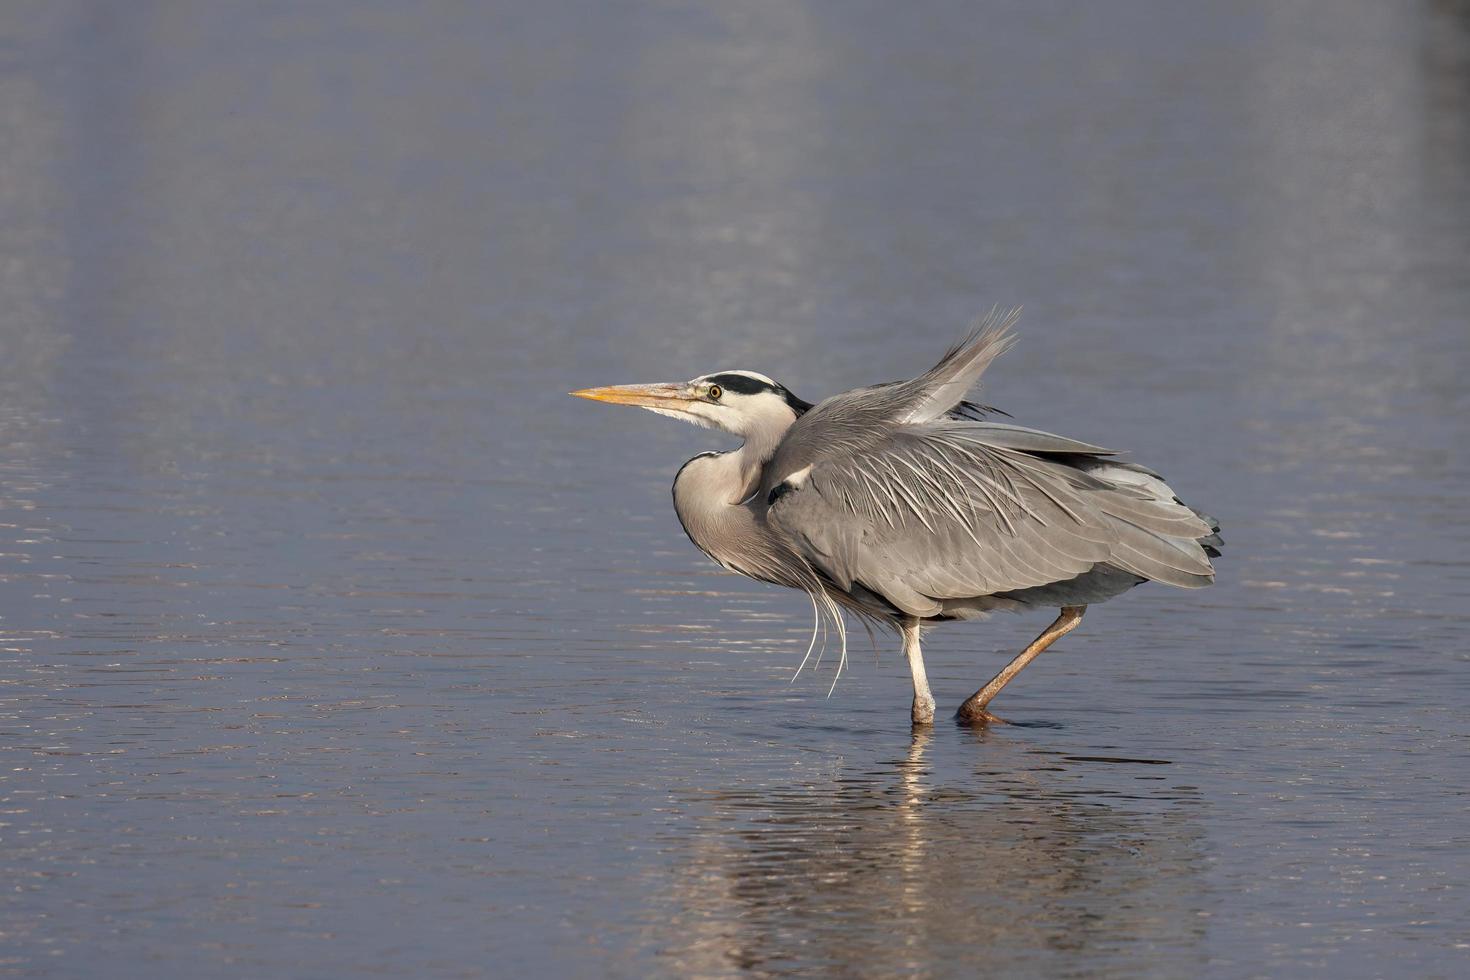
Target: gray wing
[{"x": 951, "y": 509}]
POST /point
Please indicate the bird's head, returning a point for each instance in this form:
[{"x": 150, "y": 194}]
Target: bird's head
[{"x": 743, "y": 403}]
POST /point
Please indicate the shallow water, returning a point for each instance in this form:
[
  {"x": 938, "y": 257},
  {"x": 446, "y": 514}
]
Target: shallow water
[{"x": 338, "y": 640}]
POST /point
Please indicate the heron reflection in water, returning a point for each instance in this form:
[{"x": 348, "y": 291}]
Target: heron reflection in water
[
  {"x": 965, "y": 863},
  {"x": 904, "y": 504}
]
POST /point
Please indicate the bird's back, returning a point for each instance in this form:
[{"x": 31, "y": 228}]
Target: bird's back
[{"x": 888, "y": 491}]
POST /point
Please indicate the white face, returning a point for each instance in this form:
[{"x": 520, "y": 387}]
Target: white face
[{"x": 738, "y": 402}]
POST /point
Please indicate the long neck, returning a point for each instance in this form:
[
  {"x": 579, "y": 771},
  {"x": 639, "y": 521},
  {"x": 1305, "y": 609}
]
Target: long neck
[
  {"x": 710, "y": 496},
  {"x": 749, "y": 461}
]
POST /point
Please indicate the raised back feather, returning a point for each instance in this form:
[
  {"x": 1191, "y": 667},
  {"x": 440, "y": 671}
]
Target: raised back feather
[
  {"x": 941, "y": 389},
  {"x": 856, "y": 421}
]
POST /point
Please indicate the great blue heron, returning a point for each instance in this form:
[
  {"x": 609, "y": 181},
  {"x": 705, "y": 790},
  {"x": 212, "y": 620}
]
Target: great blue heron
[{"x": 900, "y": 503}]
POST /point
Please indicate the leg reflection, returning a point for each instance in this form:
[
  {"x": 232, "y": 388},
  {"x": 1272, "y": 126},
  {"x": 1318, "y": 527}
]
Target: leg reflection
[{"x": 966, "y": 847}]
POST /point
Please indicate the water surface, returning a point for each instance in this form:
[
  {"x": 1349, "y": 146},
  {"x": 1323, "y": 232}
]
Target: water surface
[{"x": 337, "y": 640}]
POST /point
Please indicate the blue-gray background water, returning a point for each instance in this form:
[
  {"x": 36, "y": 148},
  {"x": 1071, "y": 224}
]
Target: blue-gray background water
[{"x": 337, "y": 640}]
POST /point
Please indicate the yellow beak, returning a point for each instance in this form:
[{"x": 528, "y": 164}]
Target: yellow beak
[{"x": 644, "y": 396}]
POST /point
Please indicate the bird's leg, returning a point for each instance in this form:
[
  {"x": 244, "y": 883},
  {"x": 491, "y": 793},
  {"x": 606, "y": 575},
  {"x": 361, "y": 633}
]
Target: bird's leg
[
  {"x": 974, "y": 707},
  {"x": 923, "y": 711}
]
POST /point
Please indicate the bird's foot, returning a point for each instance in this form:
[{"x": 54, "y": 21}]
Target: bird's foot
[
  {"x": 923, "y": 711},
  {"x": 975, "y": 714}
]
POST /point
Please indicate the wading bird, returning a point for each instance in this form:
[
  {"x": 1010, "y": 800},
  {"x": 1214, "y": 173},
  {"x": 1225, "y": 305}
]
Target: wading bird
[{"x": 902, "y": 504}]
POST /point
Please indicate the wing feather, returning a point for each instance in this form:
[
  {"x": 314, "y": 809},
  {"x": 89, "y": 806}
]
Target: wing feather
[{"x": 955, "y": 509}]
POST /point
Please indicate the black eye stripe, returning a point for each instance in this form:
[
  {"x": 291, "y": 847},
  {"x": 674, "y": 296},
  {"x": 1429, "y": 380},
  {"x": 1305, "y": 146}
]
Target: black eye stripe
[
  {"x": 745, "y": 385},
  {"x": 742, "y": 385}
]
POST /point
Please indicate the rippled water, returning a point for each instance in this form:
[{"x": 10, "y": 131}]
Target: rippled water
[{"x": 338, "y": 640}]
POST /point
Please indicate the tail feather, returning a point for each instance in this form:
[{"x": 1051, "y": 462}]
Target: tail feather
[
  {"x": 1212, "y": 542},
  {"x": 1148, "y": 548}
]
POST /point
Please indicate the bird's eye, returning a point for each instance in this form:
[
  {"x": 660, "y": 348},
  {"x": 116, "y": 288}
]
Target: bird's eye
[{"x": 715, "y": 391}]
